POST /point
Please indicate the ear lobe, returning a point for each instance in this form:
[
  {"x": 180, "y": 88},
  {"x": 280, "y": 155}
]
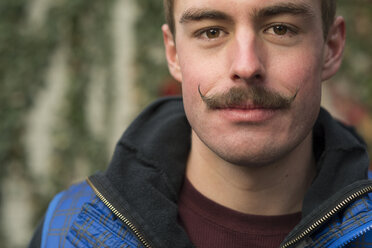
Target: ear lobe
[
  {"x": 171, "y": 53},
  {"x": 334, "y": 48}
]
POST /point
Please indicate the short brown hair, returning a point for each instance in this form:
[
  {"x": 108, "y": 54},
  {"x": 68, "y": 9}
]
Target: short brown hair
[{"x": 328, "y": 14}]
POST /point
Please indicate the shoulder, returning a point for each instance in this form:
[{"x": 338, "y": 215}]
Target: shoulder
[
  {"x": 62, "y": 211},
  {"x": 352, "y": 227},
  {"x": 78, "y": 218}
]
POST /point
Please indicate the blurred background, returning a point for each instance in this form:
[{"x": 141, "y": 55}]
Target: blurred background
[{"x": 74, "y": 73}]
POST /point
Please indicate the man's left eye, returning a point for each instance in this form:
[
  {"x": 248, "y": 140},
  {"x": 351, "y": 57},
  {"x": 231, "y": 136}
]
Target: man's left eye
[{"x": 280, "y": 30}]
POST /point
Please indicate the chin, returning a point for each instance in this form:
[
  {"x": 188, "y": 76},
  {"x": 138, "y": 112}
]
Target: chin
[{"x": 253, "y": 160}]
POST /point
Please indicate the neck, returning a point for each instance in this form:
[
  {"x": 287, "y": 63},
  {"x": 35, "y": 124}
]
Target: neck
[{"x": 273, "y": 189}]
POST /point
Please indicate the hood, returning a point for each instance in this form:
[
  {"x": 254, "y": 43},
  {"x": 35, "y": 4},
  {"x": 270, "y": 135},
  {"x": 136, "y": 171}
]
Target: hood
[{"x": 342, "y": 160}]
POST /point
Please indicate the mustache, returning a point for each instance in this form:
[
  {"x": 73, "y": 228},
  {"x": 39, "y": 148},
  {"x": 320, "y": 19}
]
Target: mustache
[{"x": 257, "y": 96}]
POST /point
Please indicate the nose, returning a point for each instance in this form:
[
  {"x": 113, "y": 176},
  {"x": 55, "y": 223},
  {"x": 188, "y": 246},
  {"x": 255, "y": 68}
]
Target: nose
[{"x": 247, "y": 56}]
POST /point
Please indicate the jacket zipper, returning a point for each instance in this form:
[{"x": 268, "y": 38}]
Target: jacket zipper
[
  {"x": 119, "y": 215},
  {"x": 327, "y": 216}
]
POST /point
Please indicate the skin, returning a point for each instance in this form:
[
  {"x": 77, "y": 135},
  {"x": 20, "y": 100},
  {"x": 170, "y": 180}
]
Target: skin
[{"x": 251, "y": 159}]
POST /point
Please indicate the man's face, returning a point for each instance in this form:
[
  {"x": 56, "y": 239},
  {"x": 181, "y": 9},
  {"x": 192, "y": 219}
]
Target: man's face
[{"x": 273, "y": 46}]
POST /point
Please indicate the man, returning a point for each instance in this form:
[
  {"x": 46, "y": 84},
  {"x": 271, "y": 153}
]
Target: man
[{"x": 262, "y": 165}]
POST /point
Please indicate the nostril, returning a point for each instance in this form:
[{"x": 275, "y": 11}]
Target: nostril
[
  {"x": 236, "y": 77},
  {"x": 254, "y": 77},
  {"x": 257, "y": 76}
]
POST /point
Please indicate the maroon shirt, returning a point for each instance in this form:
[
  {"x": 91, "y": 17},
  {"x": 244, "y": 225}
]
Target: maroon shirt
[{"x": 209, "y": 224}]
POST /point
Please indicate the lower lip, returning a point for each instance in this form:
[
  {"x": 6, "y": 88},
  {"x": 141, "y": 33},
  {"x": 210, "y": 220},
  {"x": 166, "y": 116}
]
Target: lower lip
[{"x": 248, "y": 115}]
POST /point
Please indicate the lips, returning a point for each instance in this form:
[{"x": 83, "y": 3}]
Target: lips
[
  {"x": 248, "y": 106},
  {"x": 251, "y": 105},
  {"x": 250, "y": 114}
]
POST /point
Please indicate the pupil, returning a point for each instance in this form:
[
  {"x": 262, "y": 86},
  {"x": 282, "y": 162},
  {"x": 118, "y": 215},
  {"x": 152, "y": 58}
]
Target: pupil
[
  {"x": 280, "y": 30},
  {"x": 213, "y": 33}
]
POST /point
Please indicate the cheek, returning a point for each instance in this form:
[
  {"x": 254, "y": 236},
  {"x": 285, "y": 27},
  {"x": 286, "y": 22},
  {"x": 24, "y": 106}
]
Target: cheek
[
  {"x": 190, "y": 81},
  {"x": 199, "y": 67},
  {"x": 192, "y": 76},
  {"x": 197, "y": 72},
  {"x": 297, "y": 71}
]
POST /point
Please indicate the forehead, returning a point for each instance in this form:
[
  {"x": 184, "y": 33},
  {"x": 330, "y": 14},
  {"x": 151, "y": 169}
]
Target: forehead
[{"x": 238, "y": 8}]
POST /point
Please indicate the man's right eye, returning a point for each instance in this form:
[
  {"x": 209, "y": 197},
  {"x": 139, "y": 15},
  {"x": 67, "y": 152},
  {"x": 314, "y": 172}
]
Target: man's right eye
[{"x": 210, "y": 33}]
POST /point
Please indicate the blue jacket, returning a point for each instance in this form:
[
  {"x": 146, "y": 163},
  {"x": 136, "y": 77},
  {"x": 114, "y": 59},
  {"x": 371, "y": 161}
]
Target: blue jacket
[{"x": 134, "y": 202}]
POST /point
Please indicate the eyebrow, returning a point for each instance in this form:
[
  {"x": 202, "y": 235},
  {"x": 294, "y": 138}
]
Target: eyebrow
[
  {"x": 285, "y": 8},
  {"x": 199, "y": 14},
  {"x": 196, "y": 14}
]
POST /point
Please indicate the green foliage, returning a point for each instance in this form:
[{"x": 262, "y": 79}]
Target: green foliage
[
  {"x": 84, "y": 25},
  {"x": 23, "y": 57},
  {"x": 25, "y": 53},
  {"x": 357, "y": 65},
  {"x": 151, "y": 64}
]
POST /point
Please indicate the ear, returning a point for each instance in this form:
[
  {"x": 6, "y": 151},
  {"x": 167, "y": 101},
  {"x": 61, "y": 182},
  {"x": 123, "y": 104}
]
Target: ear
[
  {"x": 334, "y": 48},
  {"x": 171, "y": 53}
]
